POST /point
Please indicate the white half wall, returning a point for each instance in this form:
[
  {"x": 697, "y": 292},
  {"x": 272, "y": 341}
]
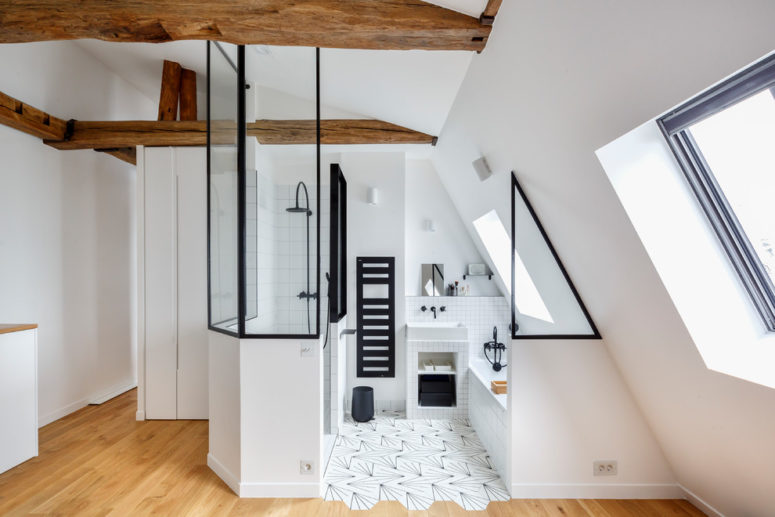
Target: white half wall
[
  {"x": 266, "y": 415},
  {"x": 281, "y": 389},
  {"x": 224, "y": 454},
  {"x": 450, "y": 244},
  {"x": 556, "y": 82},
  {"x": 67, "y": 236}
]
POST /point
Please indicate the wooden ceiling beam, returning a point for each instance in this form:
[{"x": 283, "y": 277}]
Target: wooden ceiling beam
[
  {"x": 170, "y": 90},
  {"x": 188, "y": 109},
  {"x": 362, "y": 24},
  {"x": 490, "y": 12},
  {"x": 335, "y": 132},
  {"x": 18, "y": 115},
  {"x": 23, "y": 117},
  {"x": 118, "y": 134},
  {"x": 127, "y": 154}
]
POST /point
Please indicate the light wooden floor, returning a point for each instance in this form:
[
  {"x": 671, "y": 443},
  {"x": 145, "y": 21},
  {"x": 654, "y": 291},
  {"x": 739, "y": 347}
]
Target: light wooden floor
[{"x": 100, "y": 461}]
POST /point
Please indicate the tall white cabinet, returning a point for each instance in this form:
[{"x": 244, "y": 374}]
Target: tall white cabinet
[
  {"x": 18, "y": 394},
  {"x": 172, "y": 283}
]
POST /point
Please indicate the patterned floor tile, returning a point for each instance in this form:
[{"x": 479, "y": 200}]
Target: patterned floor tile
[{"x": 415, "y": 462}]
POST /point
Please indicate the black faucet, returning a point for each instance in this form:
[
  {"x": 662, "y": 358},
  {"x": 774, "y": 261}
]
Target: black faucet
[{"x": 433, "y": 310}]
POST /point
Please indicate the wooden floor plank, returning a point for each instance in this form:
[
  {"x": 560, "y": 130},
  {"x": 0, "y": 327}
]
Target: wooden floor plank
[{"x": 100, "y": 461}]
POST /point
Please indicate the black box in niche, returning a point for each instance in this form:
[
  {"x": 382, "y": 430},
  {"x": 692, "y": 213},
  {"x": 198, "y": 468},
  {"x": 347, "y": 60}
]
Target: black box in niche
[
  {"x": 436, "y": 386},
  {"x": 436, "y": 399},
  {"x": 436, "y": 390}
]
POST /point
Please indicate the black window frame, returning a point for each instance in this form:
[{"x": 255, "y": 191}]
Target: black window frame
[{"x": 736, "y": 244}]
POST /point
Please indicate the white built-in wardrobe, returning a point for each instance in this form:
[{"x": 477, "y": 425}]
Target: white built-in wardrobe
[{"x": 172, "y": 283}]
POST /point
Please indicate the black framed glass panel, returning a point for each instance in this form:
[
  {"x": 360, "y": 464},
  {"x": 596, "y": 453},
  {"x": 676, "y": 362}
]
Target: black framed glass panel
[
  {"x": 265, "y": 235},
  {"x": 544, "y": 301},
  {"x": 223, "y": 180}
]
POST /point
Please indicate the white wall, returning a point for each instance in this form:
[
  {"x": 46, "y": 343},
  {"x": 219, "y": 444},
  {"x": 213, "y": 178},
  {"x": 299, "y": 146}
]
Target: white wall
[
  {"x": 376, "y": 230},
  {"x": 714, "y": 308},
  {"x": 450, "y": 244},
  {"x": 67, "y": 236},
  {"x": 557, "y": 81}
]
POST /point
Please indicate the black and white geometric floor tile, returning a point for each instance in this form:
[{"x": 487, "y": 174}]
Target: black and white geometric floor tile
[{"x": 415, "y": 462}]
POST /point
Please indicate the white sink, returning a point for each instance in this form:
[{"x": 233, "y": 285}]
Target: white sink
[{"x": 436, "y": 331}]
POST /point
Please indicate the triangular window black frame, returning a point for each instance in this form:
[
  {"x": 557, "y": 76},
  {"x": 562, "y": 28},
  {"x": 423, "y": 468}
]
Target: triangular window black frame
[{"x": 516, "y": 188}]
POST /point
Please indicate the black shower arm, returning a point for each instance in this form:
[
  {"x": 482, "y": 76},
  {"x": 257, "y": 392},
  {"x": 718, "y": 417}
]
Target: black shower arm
[{"x": 306, "y": 194}]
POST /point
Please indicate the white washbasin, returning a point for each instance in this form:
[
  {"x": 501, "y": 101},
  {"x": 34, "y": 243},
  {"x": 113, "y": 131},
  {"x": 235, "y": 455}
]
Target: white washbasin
[{"x": 436, "y": 331}]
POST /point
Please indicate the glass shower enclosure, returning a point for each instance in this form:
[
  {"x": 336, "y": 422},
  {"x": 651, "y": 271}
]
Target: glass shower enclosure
[{"x": 264, "y": 227}]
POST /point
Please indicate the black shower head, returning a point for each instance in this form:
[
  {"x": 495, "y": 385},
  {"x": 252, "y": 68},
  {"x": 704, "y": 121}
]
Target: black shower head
[{"x": 299, "y": 209}]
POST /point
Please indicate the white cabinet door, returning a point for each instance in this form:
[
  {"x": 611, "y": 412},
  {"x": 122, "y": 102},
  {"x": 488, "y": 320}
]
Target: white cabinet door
[
  {"x": 175, "y": 265},
  {"x": 18, "y": 398},
  {"x": 160, "y": 284},
  {"x": 191, "y": 169}
]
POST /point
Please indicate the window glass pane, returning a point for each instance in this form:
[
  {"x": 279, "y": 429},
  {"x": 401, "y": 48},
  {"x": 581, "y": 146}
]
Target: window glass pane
[
  {"x": 223, "y": 187},
  {"x": 738, "y": 144}
]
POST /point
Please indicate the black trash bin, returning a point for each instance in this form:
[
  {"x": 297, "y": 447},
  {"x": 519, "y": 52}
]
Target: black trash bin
[{"x": 363, "y": 403}]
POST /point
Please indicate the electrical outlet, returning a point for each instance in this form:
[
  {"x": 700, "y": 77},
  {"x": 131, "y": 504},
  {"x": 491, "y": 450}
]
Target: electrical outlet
[
  {"x": 306, "y": 350},
  {"x": 306, "y": 467},
  {"x": 605, "y": 468}
]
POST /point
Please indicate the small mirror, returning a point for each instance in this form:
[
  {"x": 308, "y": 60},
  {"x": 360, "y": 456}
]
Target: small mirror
[{"x": 432, "y": 280}]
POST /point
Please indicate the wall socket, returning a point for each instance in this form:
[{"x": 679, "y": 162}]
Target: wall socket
[
  {"x": 605, "y": 468},
  {"x": 306, "y": 467}
]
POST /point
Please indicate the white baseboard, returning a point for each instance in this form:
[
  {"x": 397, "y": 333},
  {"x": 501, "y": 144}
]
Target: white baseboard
[
  {"x": 62, "y": 412},
  {"x": 596, "y": 491},
  {"x": 222, "y": 472},
  {"x": 700, "y": 503},
  {"x": 140, "y": 416},
  {"x": 258, "y": 490},
  {"x": 283, "y": 490},
  {"x": 113, "y": 392}
]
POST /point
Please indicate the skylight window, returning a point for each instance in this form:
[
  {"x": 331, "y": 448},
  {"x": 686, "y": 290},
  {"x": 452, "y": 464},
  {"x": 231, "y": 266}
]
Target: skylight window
[
  {"x": 498, "y": 243},
  {"x": 724, "y": 142}
]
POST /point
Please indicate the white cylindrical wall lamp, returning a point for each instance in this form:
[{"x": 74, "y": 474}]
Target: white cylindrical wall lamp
[
  {"x": 372, "y": 196},
  {"x": 430, "y": 225}
]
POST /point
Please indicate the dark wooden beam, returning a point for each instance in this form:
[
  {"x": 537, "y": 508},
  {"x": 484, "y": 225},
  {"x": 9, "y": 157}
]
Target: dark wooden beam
[
  {"x": 18, "y": 115},
  {"x": 490, "y": 12},
  {"x": 170, "y": 90},
  {"x": 116, "y": 134},
  {"x": 365, "y": 24},
  {"x": 127, "y": 154},
  {"x": 188, "y": 109}
]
